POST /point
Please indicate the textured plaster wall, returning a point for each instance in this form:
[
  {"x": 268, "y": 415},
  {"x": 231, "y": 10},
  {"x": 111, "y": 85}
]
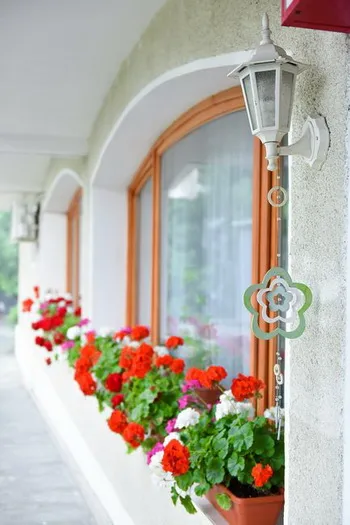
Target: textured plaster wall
[{"x": 185, "y": 30}]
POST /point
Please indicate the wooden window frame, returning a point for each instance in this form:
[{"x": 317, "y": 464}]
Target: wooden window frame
[
  {"x": 73, "y": 246},
  {"x": 264, "y": 232}
]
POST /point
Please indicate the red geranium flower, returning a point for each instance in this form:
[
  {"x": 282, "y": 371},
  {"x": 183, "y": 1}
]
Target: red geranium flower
[
  {"x": 216, "y": 373},
  {"x": 62, "y": 312},
  {"x": 121, "y": 334},
  {"x": 117, "y": 399},
  {"x": 176, "y": 458},
  {"x": 91, "y": 353},
  {"x": 82, "y": 365},
  {"x": 134, "y": 434},
  {"x": 126, "y": 376},
  {"x": 173, "y": 342},
  {"x": 164, "y": 360},
  {"x": 48, "y": 345},
  {"x": 195, "y": 374},
  {"x": 90, "y": 337},
  {"x": 139, "y": 332},
  {"x": 126, "y": 357},
  {"x": 177, "y": 366},
  {"x": 46, "y": 324},
  {"x": 245, "y": 387},
  {"x": 58, "y": 338},
  {"x": 27, "y": 305},
  {"x": 117, "y": 422},
  {"x": 77, "y": 311},
  {"x": 86, "y": 383},
  {"x": 39, "y": 341},
  {"x": 114, "y": 382},
  {"x": 142, "y": 361},
  {"x": 36, "y": 292},
  {"x": 261, "y": 474},
  {"x": 48, "y": 361}
]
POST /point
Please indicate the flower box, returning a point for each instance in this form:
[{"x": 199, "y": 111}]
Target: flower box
[{"x": 264, "y": 510}]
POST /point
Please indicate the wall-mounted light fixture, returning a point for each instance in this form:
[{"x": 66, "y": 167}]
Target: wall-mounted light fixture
[{"x": 268, "y": 83}]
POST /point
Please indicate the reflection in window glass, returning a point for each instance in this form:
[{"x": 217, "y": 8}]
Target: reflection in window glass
[
  {"x": 206, "y": 242},
  {"x": 144, "y": 213}
]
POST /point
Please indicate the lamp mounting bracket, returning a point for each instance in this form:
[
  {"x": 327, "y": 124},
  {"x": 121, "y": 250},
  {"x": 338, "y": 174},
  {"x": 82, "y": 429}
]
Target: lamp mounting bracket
[{"x": 313, "y": 143}]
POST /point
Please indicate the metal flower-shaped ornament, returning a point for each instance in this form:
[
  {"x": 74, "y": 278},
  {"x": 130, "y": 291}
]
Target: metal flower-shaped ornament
[{"x": 282, "y": 302}]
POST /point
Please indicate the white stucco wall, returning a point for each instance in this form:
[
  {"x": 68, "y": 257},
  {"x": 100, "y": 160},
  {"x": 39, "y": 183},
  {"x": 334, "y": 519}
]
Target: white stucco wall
[
  {"x": 316, "y": 378},
  {"x": 52, "y": 252},
  {"x": 108, "y": 244}
]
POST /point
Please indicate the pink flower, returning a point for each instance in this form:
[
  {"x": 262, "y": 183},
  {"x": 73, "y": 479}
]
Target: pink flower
[
  {"x": 190, "y": 385},
  {"x": 67, "y": 345},
  {"x": 83, "y": 322},
  {"x": 158, "y": 447},
  {"x": 185, "y": 400},
  {"x": 170, "y": 426}
]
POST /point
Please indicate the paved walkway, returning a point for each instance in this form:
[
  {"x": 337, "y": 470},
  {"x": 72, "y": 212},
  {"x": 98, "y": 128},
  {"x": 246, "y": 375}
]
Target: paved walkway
[{"x": 36, "y": 486}]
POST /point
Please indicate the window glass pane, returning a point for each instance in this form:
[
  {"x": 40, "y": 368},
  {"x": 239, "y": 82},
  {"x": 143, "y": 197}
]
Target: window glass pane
[
  {"x": 250, "y": 101},
  {"x": 144, "y": 270},
  {"x": 286, "y": 98},
  {"x": 206, "y": 242},
  {"x": 266, "y": 85}
]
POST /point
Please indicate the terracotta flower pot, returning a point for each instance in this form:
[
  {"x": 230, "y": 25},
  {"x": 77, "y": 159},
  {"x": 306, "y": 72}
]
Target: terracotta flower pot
[
  {"x": 263, "y": 510},
  {"x": 208, "y": 395}
]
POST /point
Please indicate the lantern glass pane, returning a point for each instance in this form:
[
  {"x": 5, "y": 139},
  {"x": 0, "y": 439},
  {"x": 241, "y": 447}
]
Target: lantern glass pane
[
  {"x": 286, "y": 98},
  {"x": 266, "y": 83},
  {"x": 247, "y": 87}
]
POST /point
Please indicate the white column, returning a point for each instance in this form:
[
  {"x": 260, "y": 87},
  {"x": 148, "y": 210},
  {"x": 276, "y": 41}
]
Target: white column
[{"x": 108, "y": 245}]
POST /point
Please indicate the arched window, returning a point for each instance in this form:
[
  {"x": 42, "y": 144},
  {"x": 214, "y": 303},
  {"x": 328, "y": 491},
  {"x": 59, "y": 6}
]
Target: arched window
[
  {"x": 201, "y": 231},
  {"x": 74, "y": 237}
]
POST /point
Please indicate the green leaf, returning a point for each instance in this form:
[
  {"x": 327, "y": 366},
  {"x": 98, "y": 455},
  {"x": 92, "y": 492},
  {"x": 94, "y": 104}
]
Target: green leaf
[
  {"x": 224, "y": 501},
  {"x": 202, "y": 489},
  {"x": 215, "y": 471},
  {"x": 220, "y": 446},
  {"x": 148, "y": 395},
  {"x": 174, "y": 495},
  {"x": 187, "y": 503},
  {"x": 184, "y": 481},
  {"x": 235, "y": 464},
  {"x": 263, "y": 443},
  {"x": 139, "y": 412}
]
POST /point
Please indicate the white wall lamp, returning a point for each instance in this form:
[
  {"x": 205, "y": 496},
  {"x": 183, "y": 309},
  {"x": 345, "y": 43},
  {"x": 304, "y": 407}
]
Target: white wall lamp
[{"x": 268, "y": 83}]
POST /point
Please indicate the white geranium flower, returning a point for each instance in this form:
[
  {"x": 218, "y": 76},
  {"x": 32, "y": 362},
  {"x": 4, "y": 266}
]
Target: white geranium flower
[
  {"x": 105, "y": 331},
  {"x": 170, "y": 437},
  {"x": 270, "y": 413},
  {"x": 85, "y": 328},
  {"x": 70, "y": 309},
  {"x": 61, "y": 304},
  {"x": 73, "y": 332},
  {"x": 67, "y": 296},
  {"x": 48, "y": 297},
  {"x": 159, "y": 476},
  {"x": 161, "y": 351},
  {"x": 134, "y": 344},
  {"x": 187, "y": 418},
  {"x": 228, "y": 405}
]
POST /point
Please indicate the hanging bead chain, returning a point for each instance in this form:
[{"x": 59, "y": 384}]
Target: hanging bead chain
[{"x": 277, "y": 368}]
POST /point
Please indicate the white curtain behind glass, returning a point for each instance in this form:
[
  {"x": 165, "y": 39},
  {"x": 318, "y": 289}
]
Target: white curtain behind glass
[
  {"x": 206, "y": 242},
  {"x": 144, "y": 258}
]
